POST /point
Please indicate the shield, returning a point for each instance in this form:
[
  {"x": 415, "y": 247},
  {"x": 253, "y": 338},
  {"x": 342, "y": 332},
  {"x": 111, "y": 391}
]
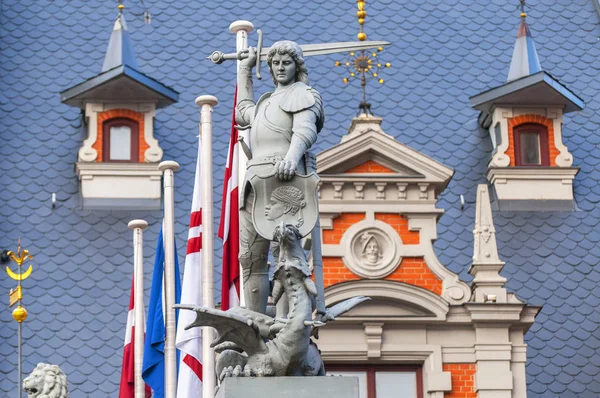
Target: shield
[{"x": 293, "y": 202}]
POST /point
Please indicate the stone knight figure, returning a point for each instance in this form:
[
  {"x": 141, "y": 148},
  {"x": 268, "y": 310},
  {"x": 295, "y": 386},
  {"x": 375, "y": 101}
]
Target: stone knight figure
[{"x": 284, "y": 125}]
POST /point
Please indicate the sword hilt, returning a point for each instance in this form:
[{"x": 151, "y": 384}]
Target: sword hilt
[
  {"x": 258, "y": 51},
  {"x": 218, "y": 57}
]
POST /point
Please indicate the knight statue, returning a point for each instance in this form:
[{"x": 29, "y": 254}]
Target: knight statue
[
  {"x": 278, "y": 208},
  {"x": 284, "y": 125}
]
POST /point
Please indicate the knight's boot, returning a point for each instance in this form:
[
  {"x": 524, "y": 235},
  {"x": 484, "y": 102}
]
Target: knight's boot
[{"x": 255, "y": 272}]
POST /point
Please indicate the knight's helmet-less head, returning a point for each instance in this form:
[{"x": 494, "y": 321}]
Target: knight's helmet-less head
[{"x": 293, "y": 50}]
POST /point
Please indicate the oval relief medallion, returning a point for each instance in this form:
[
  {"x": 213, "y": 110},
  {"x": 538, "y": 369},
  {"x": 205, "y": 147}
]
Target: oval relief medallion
[{"x": 372, "y": 249}]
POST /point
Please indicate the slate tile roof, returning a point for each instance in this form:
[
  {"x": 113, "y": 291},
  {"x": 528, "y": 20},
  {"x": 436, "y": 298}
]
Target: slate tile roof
[{"x": 443, "y": 52}]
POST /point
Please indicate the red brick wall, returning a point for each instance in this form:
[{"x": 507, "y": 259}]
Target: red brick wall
[
  {"x": 412, "y": 270},
  {"x": 400, "y": 225},
  {"x": 522, "y": 119},
  {"x": 340, "y": 225},
  {"x": 370, "y": 167},
  {"x": 129, "y": 114},
  {"x": 462, "y": 375}
]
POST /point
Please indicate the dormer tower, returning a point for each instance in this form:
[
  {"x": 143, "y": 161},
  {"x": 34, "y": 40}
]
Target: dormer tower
[
  {"x": 117, "y": 162},
  {"x": 530, "y": 168}
]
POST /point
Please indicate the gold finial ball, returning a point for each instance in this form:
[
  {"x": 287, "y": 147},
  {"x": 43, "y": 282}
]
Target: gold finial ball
[
  {"x": 374, "y": 74},
  {"x": 362, "y": 36},
  {"x": 523, "y": 15},
  {"x": 347, "y": 63},
  {"x": 361, "y": 21},
  {"x": 361, "y": 14},
  {"x": 379, "y": 48},
  {"x": 19, "y": 314},
  {"x": 345, "y": 80},
  {"x": 387, "y": 65},
  {"x": 120, "y": 6},
  {"x": 337, "y": 63},
  {"x": 380, "y": 81}
]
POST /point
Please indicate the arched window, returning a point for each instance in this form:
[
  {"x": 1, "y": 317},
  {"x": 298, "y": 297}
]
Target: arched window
[
  {"x": 531, "y": 145},
  {"x": 120, "y": 140}
]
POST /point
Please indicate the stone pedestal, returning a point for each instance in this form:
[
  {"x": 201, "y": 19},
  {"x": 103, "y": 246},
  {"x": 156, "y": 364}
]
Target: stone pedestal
[{"x": 289, "y": 387}]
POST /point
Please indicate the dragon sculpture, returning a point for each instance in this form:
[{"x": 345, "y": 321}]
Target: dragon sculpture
[{"x": 254, "y": 344}]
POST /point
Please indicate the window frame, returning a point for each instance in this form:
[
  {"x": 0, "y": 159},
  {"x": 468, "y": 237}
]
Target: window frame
[
  {"x": 372, "y": 369},
  {"x": 133, "y": 125},
  {"x": 542, "y": 132}
]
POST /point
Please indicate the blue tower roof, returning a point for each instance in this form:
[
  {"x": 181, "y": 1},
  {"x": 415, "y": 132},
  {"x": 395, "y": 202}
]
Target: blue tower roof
[
  {"x": 525, "y": 60},
  {"x": 120, "y": 78},
  {"x": 119, "y": 51}
]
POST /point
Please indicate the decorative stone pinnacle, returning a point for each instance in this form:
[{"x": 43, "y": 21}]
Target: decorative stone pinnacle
[
  {"x": 485, "y": 250},
  {"x": 486, "y": 266}
]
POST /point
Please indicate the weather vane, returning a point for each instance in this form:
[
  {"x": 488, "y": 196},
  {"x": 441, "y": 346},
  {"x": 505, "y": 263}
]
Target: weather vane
[
  {"x": 15, "y": 296},
  {"x": 364, "y": 63}
]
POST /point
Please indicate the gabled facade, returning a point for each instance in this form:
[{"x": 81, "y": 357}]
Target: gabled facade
[
  {"x": 443, "y": 52},
  {"x": 379, "y": 221}
]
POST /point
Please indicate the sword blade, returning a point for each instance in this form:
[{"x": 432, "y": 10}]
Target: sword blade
[{"x": 310, "y": 50}]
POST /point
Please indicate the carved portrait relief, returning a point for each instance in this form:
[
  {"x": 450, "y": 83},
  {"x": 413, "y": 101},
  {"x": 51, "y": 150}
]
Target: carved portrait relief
[
  {"x": 286, "y": 204},
  {"x": 372, "y": 249},
  {"x": 292, "y": 202}
]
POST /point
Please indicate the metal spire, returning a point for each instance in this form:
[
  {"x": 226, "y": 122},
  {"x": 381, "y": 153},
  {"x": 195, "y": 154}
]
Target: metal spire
[
  {"x": 119, "y": 51},
  {"x": 363, "y": 63},
  {"x": 525, "y": 60}
]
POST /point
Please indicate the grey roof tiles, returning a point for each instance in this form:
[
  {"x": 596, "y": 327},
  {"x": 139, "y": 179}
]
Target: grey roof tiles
[{"x": 443, "y": 52}]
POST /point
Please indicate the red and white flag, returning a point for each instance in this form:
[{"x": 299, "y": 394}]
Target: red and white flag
[
  {"x": 189, "y": 342},
  {"x": 127, "y": 388},
  {"x": 229, "y": 227}
]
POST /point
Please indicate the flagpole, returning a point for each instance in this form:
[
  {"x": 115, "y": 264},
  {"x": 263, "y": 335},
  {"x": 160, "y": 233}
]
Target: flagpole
[
  {"x": 138, "y": 303},
  {"x": 206, "y": 103},
  {"x": 241, "y": 29},
  {"x": 168, "y": 168}
]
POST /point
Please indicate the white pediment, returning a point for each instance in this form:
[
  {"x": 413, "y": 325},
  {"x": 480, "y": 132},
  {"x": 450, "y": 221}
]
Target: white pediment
[{"x": 372, "y": 144}]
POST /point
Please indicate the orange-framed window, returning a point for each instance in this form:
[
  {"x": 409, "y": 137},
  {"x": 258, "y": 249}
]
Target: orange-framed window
[
  {"x": 531, "y": 145},
  {"x": 383, "y": 381},
  {"x": 120, "y": 140}
]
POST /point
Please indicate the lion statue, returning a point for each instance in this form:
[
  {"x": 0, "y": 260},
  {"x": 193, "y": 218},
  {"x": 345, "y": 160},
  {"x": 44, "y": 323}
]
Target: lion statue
[{"x": 46, "y": 381}]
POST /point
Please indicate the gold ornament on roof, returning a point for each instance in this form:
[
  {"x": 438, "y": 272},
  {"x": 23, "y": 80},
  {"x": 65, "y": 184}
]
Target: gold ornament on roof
[
  {"x": 363, "y": 64},
  {"x": 522, "y": 6},
  {"x": 15, "y": 296},
  {"x": 19, "y": 258}
]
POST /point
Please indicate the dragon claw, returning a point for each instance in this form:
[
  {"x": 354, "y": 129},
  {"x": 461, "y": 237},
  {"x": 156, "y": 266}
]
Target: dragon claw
[
  {"x": 237, "y": 371},
  {"x": 247, "y": 371},
  {"x": 227, "y": 372}
]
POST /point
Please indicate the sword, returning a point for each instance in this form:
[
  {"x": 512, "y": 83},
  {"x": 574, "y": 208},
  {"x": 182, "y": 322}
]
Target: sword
[{"x": 308, "y": 50}]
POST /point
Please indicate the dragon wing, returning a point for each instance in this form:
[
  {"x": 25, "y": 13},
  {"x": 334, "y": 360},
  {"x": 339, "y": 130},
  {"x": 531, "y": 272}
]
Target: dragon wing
[
  {"x": 236, "y": 328},
  {"x": 346, "y": 305}
]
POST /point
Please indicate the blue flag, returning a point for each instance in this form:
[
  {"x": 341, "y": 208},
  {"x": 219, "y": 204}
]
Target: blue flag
[{"x": 153, "y": 366}]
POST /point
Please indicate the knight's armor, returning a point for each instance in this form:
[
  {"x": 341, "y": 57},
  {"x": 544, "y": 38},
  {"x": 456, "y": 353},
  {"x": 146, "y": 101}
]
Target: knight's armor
[{"x": 277, "y": 117}]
